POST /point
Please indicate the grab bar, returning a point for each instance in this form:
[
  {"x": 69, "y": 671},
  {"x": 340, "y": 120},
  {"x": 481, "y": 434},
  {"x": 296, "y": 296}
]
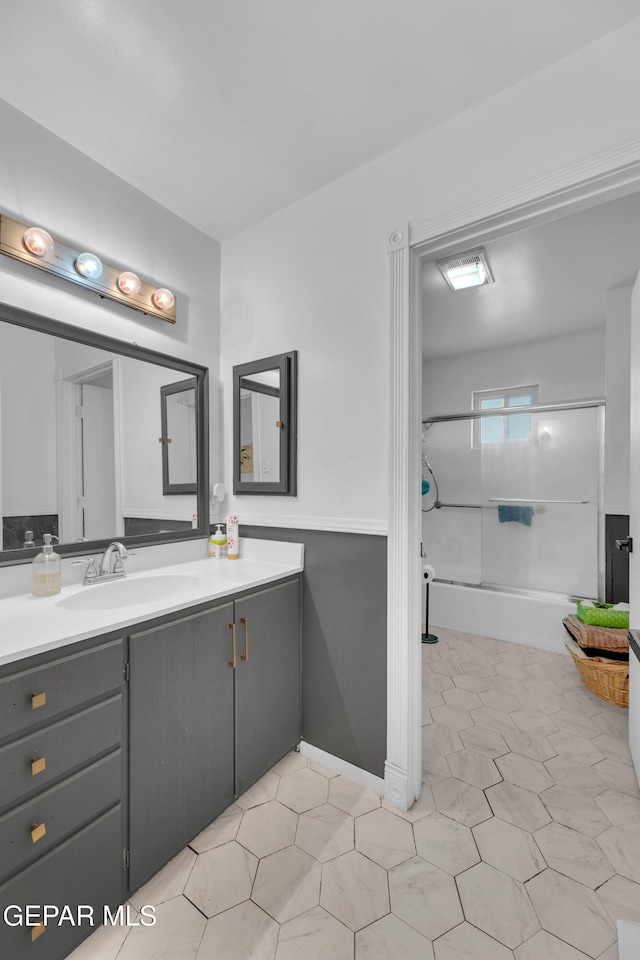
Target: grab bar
[{"x": 525, "y": 500}]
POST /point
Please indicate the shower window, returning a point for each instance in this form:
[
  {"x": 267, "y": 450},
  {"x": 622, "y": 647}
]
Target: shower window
[{"x": 501, "y": 429}]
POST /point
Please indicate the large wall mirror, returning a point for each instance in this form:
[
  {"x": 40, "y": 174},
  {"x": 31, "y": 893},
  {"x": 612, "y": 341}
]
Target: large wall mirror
[
  {"x": 82, "y": 423},
  {"x": 264, "y": 426}
]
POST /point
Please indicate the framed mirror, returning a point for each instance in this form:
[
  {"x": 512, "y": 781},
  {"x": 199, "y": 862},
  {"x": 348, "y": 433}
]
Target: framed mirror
[
  {"x": 79, "y": 428},
  {"x": 179, "y": 434},
  {"x": 264, "y": 426}
]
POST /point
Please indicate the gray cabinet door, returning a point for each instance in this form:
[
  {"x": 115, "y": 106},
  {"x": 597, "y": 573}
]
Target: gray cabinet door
[
  {"x": 181, "y": 718},
  {"x": 268, "y": 682}
]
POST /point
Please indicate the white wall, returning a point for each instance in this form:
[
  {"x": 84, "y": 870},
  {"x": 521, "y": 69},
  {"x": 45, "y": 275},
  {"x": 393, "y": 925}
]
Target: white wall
[
  {"x": 618, "y": 392},
  {"x": 313, "y": 277},
  {"x": 46, "y": 182}
]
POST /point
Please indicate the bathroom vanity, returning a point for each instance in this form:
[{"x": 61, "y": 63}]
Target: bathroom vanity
[{"x": 126, "y": 726}]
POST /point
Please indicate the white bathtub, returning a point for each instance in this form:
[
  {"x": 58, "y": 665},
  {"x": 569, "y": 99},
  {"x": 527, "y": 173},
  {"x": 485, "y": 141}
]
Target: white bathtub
[{"x": 533, "y": 619}]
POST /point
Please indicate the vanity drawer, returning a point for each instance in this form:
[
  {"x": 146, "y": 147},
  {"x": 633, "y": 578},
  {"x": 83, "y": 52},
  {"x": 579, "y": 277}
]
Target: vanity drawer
[
  {"x": 86, "y": 870},
  {"x": 29, "y": 831},
  {"x": 64, "y": 746},
  {"x": 35, "y": 696}
]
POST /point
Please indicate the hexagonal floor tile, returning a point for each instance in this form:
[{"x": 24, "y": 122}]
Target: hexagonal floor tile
[
  {"x": 243, "y": 932},
  {"x": 524, "y": 772},
  {"x": 316, "y": 935},
  {"x": 290, "y": 763},
  {"x": 354, "y": 890},
  {"x": 508, "y": 848},
  {"x": 262, "y": 791},
  {"x": 325, "y": 832},
  {"x": 619, "y": 808},
  {"x": 221, "y": 878},
  {"x": 497, "y": 904},
  {"x": 532, "y": 721},
  {"x": 529, "y": 744},
  {"x": 491, "y": 718},
  {"x": 500, "y": 700},
  {"x": 571, "y": 912},
  {"x": 287, "y": 884},
  {"x": 302, "y": 790},
  {"x": 446, "y": 843},
  {"x": 458, "y": 697},
  {"x": 621, "y": 898},
  {"x": 449, "y": 716},
  {"x": 223, "y": 829},
  {"x": 473, "y": 768},
  {"x": 267, "y": 828},
  {"x": 385, "y": 839},
  {"x": 618, "y": 776},
  {"x": 575, "y": 776},
  {"x": 544, "y": 946},
  {"x": 575, "y": 811},
  {"x": 622, "y": 848},
  {"x": 468, "y": 682},
  {"x": 424, "y": 897},
  {"x": 351, "y": 798},
  {"x": 444, "y": 740},
  {"x": 578, "y": 748},
  {"x": 461, "y": 801},
  {"x": 177, "y": 933},
  {"x": 465, "y": 942},
  {"x": 517, "y": 806},
  {"x": 482, "y": 740},
  {"x": 434, "y": 766},
  {"x": 616, "y": 748},
  {"x": 574, "y": 855},
  {"x": 423, "y": 807},
  {"x": 168, "y": 883},
  {"x": 391, "y": 937}
]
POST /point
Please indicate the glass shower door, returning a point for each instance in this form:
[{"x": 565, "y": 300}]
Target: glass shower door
[{"x": 541, "y": 491}]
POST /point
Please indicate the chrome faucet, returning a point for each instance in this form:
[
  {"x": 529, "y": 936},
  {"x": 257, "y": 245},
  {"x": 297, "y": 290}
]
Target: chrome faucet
[{"x": 112, "y": 565}]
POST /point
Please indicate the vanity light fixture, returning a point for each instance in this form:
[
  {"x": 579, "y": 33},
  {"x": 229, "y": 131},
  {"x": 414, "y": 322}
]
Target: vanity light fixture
[
  {"x": 129, "y": 283},
  {"x": 38, "y": 242},
  {"x": 465, "y": 270},
  {"x": 89, "y": 266},
  {"x": 163, "y": 299},
  {"x": 33, "y": 245}
]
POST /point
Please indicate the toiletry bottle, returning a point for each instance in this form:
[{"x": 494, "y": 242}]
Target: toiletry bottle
[
  {"x": 28, "y": 540},
  {"x": 232, "y": 537},
  {"x": 46, "y": 575},
  {"x": 218, "y": 544}
]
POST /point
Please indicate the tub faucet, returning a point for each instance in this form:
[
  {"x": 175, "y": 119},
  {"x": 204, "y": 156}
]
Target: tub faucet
[{"x": 112, "y": 565}]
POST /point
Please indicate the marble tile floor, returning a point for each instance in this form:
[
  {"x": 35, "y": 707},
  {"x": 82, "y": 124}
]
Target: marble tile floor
[{"x": 524, "y": 845}]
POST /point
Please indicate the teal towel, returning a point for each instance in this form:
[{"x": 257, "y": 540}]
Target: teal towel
[
  {"x": 512, "y": 513},
  {"x": 426, "y": 486}
]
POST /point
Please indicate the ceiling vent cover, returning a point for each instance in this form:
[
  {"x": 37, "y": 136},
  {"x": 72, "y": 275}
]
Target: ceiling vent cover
[{"x": 469, "y": 269}]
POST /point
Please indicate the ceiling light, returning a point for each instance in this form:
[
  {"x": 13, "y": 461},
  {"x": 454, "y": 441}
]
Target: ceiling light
[
  {"x": 38, "y": 242},
  {"x": 88, "y": 265},
  {"x": 470, "y": 269},
  {"x": 129, "y": 283},
  {"x": 163, "y": 299}
]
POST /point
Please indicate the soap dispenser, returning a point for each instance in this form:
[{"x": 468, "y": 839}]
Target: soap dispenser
[{"x": 46, "y": 575}]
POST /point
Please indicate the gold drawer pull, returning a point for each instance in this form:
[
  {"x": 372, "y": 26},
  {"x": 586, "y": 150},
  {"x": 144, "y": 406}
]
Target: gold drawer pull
[
  {"x": 245, "y": 622},
  {"x": 38, "y": 700},
  {"x": 233, "y": 661},
  {"x": 37, "y": 931},
  {"x": 38, "y": 764},
  {"x": 38, "y": 831}
]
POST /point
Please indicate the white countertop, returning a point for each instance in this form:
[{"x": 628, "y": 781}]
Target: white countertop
[{"x": 30, "y": 625}]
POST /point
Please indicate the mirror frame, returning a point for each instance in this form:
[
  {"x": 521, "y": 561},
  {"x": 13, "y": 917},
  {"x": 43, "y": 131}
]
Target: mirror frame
[
  {"x": 287, "y": 364},
  {"x": 181, "y": 386},
  {"x": 34, "y": 321}
]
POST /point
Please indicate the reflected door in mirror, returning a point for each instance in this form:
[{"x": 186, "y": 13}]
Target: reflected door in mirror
[
  {"x": 260, "y": 428},
  {"x": 179, "y": 437}
]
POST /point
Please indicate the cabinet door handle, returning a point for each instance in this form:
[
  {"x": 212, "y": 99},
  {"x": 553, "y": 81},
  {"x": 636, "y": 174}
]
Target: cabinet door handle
[
  {"x": 37, "y": 931},
  {"x": 245, "y": 622},
  {"x": 38, "y": 831},
  {"x": 232, "y": 662},
  {"x": 38, "y": 700},
  {"x": 38, "y": 764}
]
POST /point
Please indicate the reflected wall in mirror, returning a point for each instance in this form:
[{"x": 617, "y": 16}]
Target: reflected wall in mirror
[
  {"x": 179, "y": 431},
  {"x": 264, "y": 397},
  {"x": 79, "y": 428}
]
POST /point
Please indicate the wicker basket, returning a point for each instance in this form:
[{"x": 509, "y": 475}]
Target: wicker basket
[
  {"x": 604, "y": 615},
  {"x": 609, "y": 681}
]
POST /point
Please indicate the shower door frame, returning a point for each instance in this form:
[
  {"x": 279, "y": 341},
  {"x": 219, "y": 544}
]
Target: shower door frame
[
  {"x": 607, "y": 174},
  {"x": 532, "y": 408}
]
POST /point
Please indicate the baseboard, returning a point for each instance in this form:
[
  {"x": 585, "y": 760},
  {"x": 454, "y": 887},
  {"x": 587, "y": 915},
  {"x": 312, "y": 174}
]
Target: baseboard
[{"x": 357, "y": 774}]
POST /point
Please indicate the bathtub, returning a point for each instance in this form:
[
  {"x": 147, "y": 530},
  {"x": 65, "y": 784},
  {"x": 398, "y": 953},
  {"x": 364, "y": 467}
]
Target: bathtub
[{"x": 531, "y": 618}]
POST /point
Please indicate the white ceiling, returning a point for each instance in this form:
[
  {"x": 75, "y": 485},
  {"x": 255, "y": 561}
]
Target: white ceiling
[
  {"x": 550, "y": 280},
  {"x": 225, "y": 111}
]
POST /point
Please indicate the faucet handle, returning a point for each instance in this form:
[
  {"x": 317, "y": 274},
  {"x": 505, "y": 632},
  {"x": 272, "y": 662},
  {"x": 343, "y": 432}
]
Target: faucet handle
[
  {"x": 118, "y": 566},
  {"x": 90, "y": 574}
]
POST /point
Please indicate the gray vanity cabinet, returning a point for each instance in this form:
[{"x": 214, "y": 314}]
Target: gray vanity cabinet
[
  {"x": 267, "y": 702},
  {"x": 181, "y": 722}
]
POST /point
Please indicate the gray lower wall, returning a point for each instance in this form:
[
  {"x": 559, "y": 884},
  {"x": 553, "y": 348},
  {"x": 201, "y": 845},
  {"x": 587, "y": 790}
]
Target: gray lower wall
[{"x": 344, "y": 642}]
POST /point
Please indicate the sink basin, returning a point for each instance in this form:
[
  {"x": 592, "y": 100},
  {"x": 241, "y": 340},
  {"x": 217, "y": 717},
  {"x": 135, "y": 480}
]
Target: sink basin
[{"x": 129, "y": 593}]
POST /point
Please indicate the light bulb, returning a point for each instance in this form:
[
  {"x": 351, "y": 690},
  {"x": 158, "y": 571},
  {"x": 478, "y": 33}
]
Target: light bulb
[
  {"x": 129, "y": 283},
  {"x": 89, "y": 266},
  {"x": 38, "y": 242},
  {"x": 163, "y": 298}
]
